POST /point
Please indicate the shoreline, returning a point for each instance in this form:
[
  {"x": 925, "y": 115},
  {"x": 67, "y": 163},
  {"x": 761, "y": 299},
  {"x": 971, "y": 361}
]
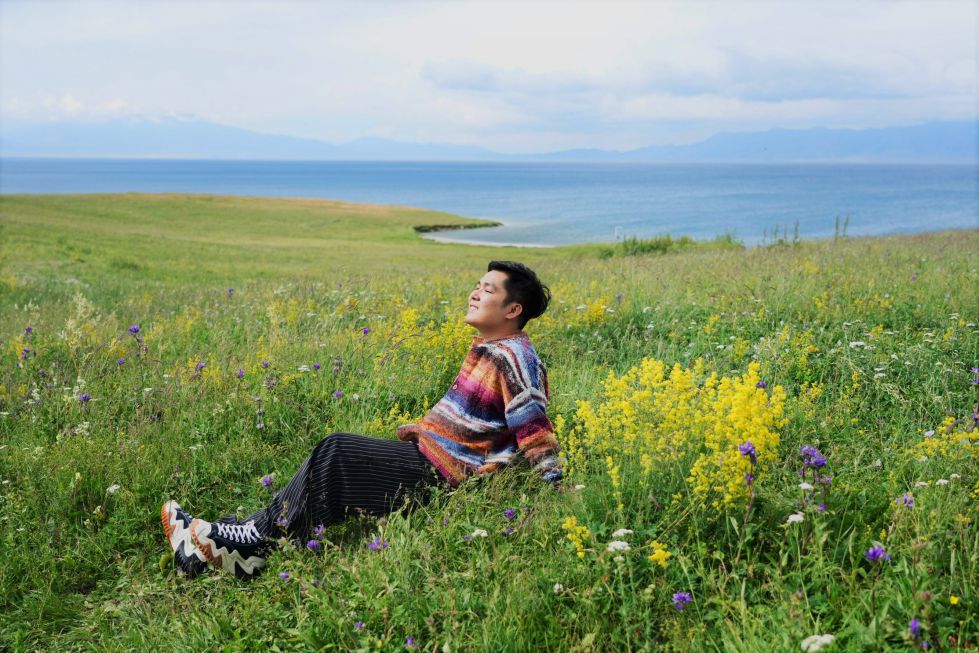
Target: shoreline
[{"x": 432, "y": 232}]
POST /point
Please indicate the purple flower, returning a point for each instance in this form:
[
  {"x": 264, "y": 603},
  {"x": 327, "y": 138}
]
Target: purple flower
[
  {"x": 914, "y": 277},
  {"x": 84, "y": 397},
  {"x": 510, "y": 513},
  {"x": 267, "y": 480},
  {"x": 240, "y": 373},
  {"x": 914, "y": 627},
  {"x": 749, "y": 478},
  {"x": 619, "y": 296},
  {"x": 319, "y": 530},
  {"x": 811, "y": 456},
  {"x": 25, "y": 353},
  {"x": 377, "y": 544},
  {"x": 265, "y": 364},
  {"x": 681, "y": 599},
  {"x": 231, "y": 291},
  {"x": 199, "y": 366},
  {"x": 365, "y": 331},
  {"x": 975, "y": 381},
  {"x": 316, "y": 366},
  {"x": 509, "y": 530},
  {"x": 134, "y": 329},
  {"x": 877, "y": 552},
  {"x": 358, "y": 625},
  {"x": 974, "y": 370},
  {"x": 410, "y": 642},
  {"x": 467, "y": 537},
  {"x": 313, "y": 545},
  {"x": 821, "y": 507},
  {"x": 282, "y": 522},
  {"x": 906, "y": 499},
  {"x": 284, "y": 575},
  {"x": 748, "y": 449},
  {"x": 337, "y": 394},
  {"x": 121, "y": 361},
  {"x": 761, "y": 384},
  {"x": 28, "y": 329}
]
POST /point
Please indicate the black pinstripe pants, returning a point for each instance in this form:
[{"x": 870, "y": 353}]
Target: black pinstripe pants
[{"x": 348, "y": 474}]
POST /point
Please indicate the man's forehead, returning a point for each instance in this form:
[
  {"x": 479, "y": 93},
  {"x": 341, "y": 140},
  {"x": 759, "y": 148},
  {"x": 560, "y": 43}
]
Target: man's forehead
[{"x": 493, "y": 277}]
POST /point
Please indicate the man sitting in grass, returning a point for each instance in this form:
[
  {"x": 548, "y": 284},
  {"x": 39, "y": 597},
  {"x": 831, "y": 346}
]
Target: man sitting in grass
[{"x": 493, "y": 413}]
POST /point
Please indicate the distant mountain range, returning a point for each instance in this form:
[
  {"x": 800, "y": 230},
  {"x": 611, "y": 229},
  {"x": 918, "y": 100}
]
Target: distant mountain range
[{"x": 183, "y": 138}]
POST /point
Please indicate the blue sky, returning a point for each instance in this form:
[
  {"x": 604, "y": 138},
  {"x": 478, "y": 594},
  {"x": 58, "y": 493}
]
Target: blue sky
[{"x": 511, "y": 76}]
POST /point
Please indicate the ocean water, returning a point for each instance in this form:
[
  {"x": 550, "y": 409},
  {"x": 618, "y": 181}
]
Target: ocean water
[{"x": 561, "y": 203}]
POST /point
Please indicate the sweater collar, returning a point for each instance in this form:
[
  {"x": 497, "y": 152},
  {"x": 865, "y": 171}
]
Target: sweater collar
[{"x": 478, "y": 340}]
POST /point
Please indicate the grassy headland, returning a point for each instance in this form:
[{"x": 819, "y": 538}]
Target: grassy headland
[{"x": 662, "y": 365}]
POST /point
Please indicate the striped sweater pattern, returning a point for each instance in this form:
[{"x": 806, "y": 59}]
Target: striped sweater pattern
[{"x": 494, "y": 413}]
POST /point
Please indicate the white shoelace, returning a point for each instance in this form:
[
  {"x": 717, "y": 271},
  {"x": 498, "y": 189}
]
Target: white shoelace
[{"x": 244, "y": 533}]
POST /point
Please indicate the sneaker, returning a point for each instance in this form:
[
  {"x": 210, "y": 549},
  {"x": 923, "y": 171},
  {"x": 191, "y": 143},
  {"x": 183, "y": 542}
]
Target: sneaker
[
  {"x": 176, "y": 524},
  {"x": 238, "y": 548}
]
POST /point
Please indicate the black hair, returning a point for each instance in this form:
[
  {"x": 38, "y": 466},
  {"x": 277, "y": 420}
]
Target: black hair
[{"x": 523, "y": 286}]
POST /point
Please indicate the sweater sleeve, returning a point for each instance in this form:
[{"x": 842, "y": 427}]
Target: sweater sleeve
[{"x": 526, "y": 417}]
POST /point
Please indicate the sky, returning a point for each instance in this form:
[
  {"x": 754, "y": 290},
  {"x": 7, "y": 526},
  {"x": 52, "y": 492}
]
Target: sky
[{"x": 515, "y": 77}]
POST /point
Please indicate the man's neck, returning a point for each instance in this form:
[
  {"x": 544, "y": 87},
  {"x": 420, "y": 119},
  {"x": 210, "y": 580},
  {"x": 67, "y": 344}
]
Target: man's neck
[{"x": 498, "y": 335}]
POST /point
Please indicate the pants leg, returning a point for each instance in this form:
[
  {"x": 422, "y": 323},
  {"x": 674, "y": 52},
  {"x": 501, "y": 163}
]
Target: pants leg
[{"x": 346, "y": 473}]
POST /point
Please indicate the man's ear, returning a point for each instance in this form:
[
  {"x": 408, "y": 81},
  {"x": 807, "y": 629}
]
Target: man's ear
[{"x": 514, "y": 310}]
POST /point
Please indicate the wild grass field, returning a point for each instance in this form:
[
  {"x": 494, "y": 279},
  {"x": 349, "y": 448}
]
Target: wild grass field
[{"x": 762, "y": 445}]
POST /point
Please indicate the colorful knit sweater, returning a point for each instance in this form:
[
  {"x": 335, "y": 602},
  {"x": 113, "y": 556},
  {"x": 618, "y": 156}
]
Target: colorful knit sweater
[{"x": 492, "y": 414}]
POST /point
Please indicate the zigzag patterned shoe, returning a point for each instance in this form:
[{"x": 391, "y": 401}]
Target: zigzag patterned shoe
[
  {"x": 176, "y": 524},
  {"x": 238, "y": 548}
]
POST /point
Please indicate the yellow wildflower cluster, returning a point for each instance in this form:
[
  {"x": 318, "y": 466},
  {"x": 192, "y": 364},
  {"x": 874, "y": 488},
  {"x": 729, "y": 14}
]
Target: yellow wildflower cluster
[
  {"x": 809, "y": 395},
  {"x": 433, "y": 343},
  {"x": 387, "y": 424},
  {"x": 647, "y": 421},
  {"x": 659, "y": 555},
  {"x": 948, "y": 443},
  {"x": 872, "y": 302},
  {"x": 736, "y": 411},
  {"x": 577, "y": 533}
]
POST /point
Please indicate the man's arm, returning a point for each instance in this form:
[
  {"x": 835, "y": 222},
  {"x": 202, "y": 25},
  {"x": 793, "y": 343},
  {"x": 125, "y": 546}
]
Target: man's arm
[{"x": 526, "y": 417}]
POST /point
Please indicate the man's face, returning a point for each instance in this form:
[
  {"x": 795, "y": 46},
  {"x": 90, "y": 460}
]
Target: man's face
[{"x": 487, "y": 311}]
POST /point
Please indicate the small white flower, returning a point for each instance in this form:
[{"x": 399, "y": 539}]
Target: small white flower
[
  {"x": 954, "y": 475},
  {"x": 303, "y": 368},
  {"x": 857, "y": 343},
  {"x": 580, "y": 307},
  {"x": 814, "y": 643},
  {"x": 619, "y": 559},
  {"x": 941, "y": 481},
  {"x": 622, "y": 532},
  {"x": 618, "y": 545},
  {"x": 879, "y": 375},
  {"x": 921, "y": 484},
  {"x": 878, "y": 463},
  {"x": 579, "y": 486},
  {"x": 479, "y": 532},
  {"x": 112, "y": 489},
  {"x": 795, "y": 518},
  {"x": 928, "y": 434},
  {"x": 805, "y": 486},
  {"x": 355, "y": 396},
  {"x": 558, "y": 588}
]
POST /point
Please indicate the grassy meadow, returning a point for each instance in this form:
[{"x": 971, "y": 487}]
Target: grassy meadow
[{"x": 786, "y": 434}]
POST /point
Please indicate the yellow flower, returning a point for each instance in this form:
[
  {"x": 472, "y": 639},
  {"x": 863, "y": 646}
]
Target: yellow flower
[
  {"x": 659, "y": 554},
  {"x": 954, "y": 600}
]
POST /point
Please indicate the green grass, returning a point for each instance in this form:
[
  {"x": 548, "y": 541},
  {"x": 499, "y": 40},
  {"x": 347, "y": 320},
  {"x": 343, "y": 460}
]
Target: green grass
[{"x": 83, "y": 569}]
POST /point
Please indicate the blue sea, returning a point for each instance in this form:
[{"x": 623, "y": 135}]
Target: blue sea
[{"x": 562, "y": 203}]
